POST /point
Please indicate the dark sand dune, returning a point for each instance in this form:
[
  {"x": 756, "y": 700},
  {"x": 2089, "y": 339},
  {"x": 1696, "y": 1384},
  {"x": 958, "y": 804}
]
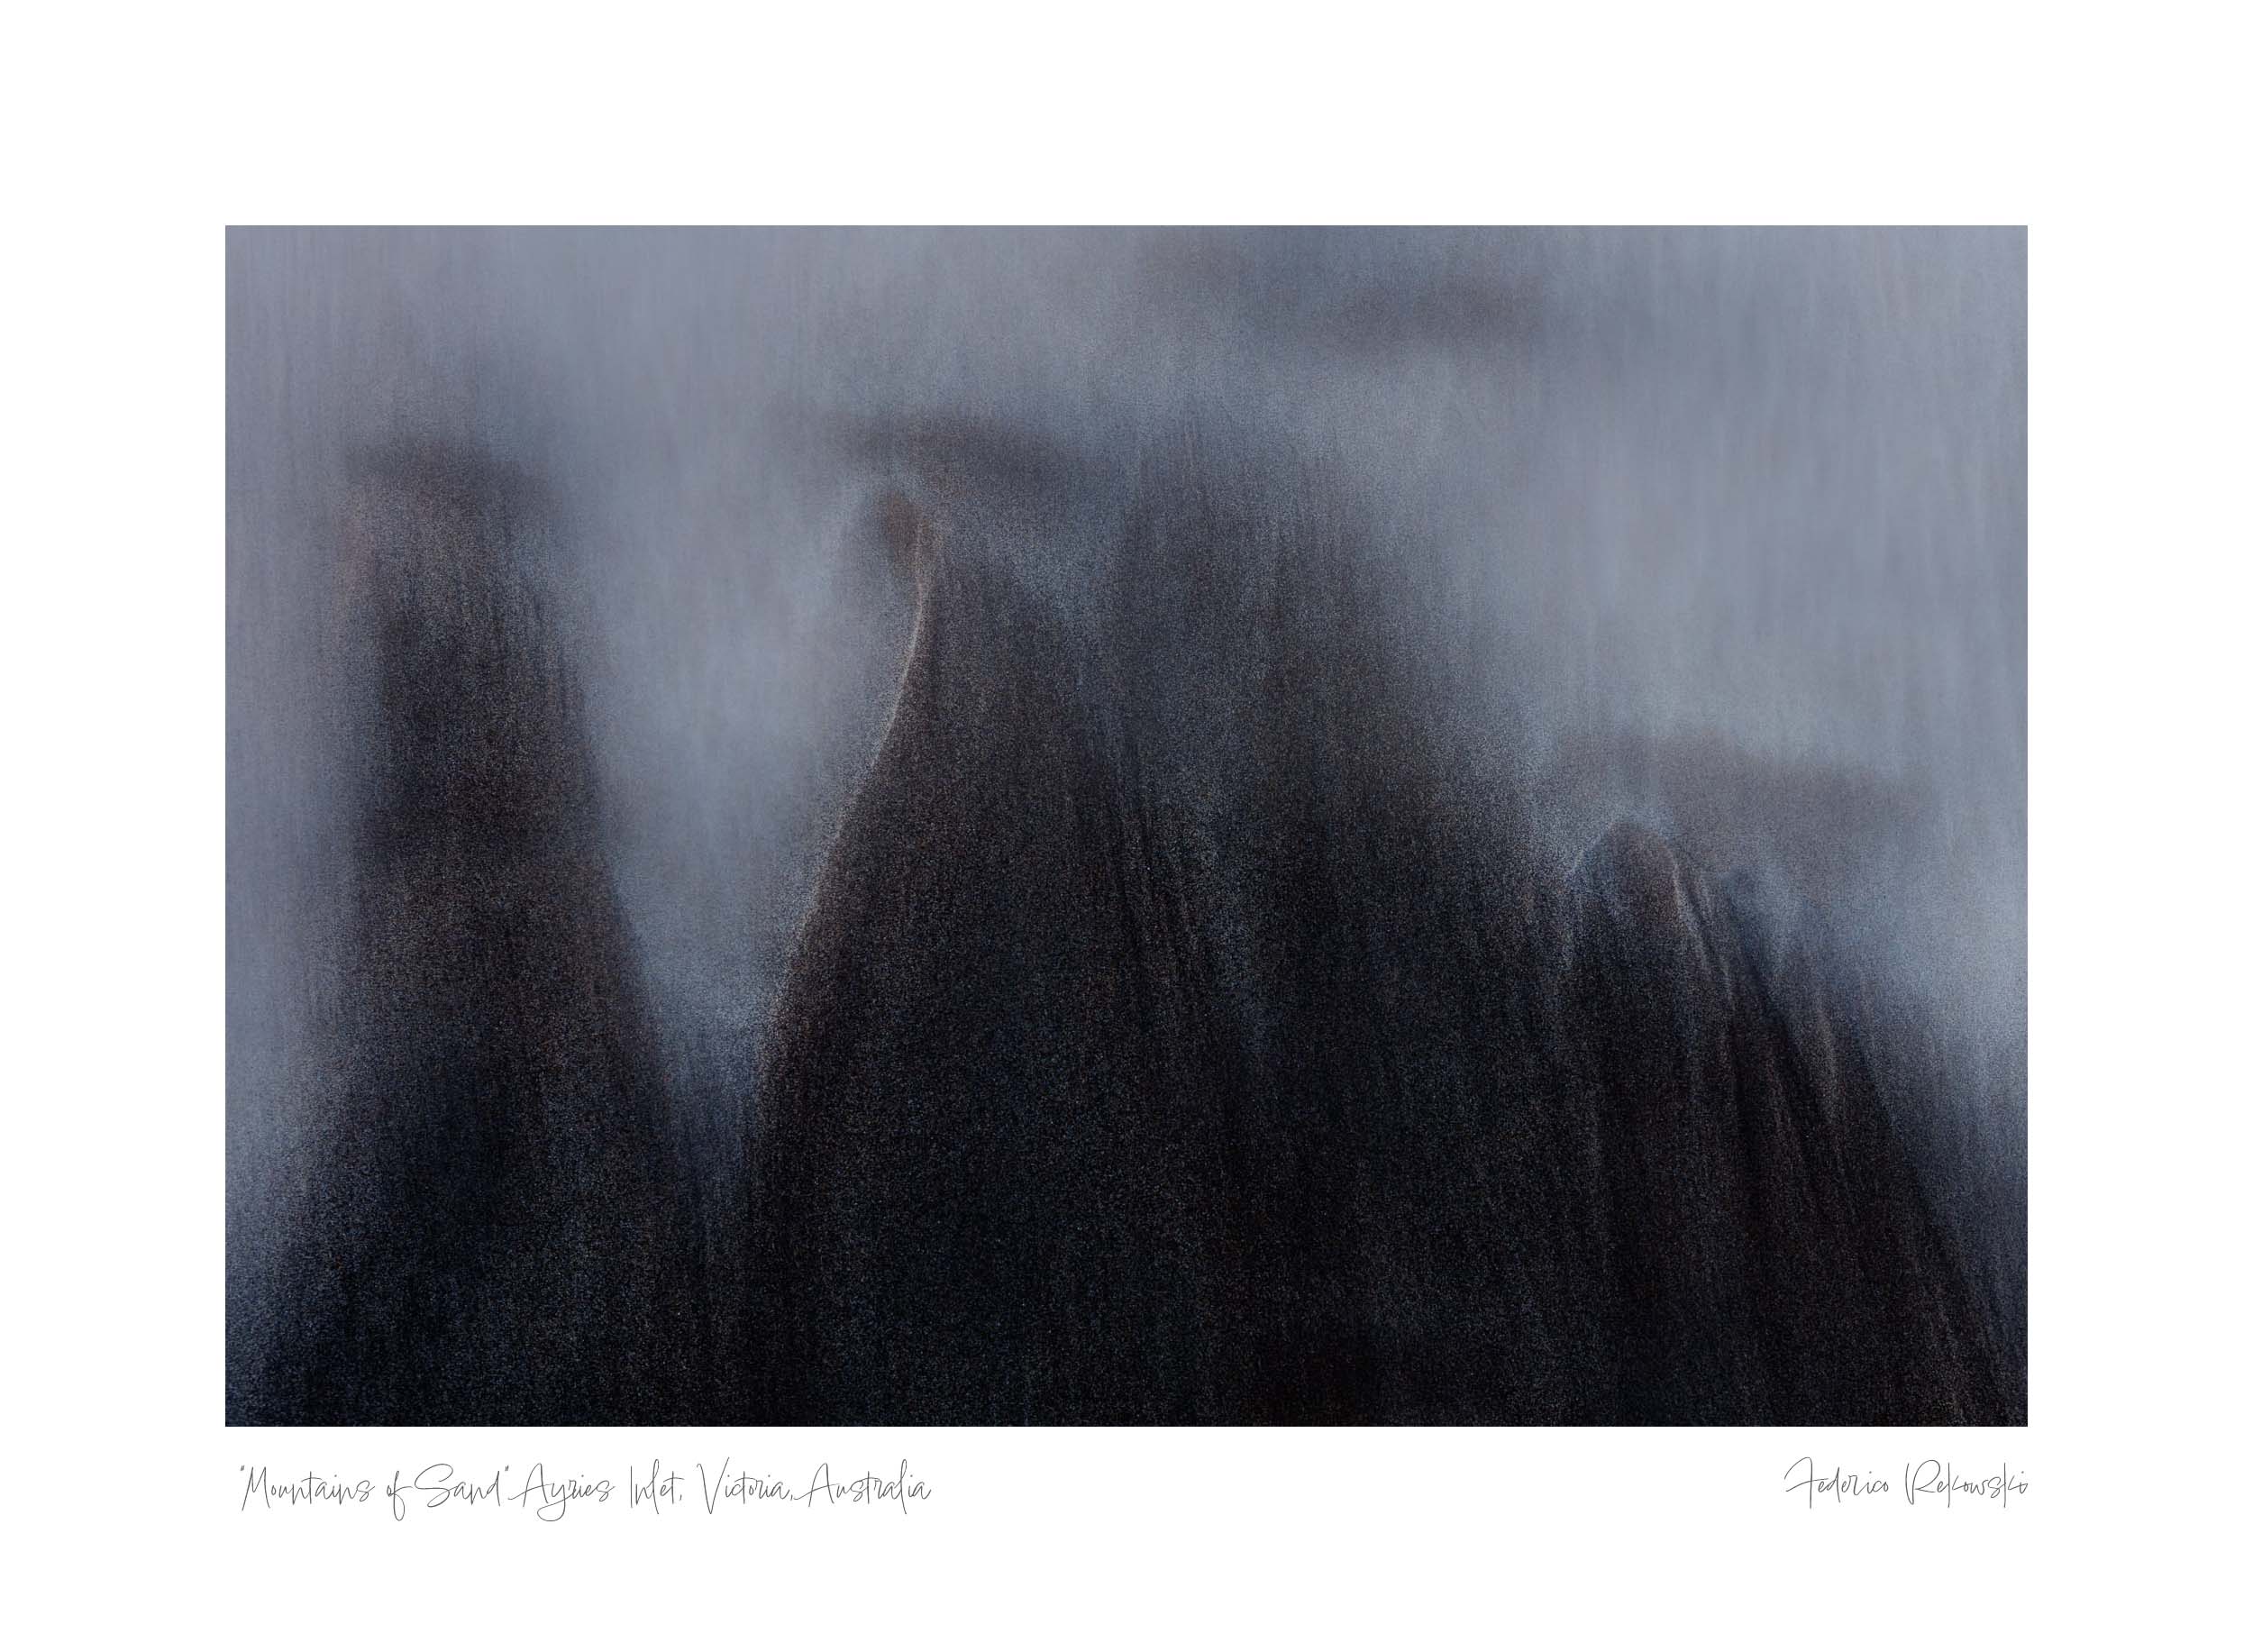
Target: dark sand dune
[
  {"x": 496, "y": 1230},
  {"x": 1180, "y": 1033}
]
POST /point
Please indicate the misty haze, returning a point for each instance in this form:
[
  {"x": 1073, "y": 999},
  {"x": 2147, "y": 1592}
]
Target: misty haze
[{"x": 1148, "y": 827}]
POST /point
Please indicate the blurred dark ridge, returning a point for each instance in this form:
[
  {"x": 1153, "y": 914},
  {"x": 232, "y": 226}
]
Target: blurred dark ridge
[
  {"x": 498, "y": 1229},
  {"x": 1187, "y": 1027},
  {"x": 1183, "y": 1032}
]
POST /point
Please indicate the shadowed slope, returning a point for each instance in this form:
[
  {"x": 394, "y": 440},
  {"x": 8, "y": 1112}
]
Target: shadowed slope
[
  {"x": 1180, "y": 1033},
  {"x": 985, "y": 1176},
  {"x": 495, "y": 1232}
]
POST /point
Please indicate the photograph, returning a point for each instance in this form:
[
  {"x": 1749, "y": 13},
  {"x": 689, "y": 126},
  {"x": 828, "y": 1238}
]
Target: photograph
[
  {"x": 1085, "y": 827},
  {"x": 1209, "y": 825}
]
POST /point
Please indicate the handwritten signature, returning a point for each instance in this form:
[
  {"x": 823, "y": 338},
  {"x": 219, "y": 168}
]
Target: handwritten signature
[{"x": 1928, "y": 1479}]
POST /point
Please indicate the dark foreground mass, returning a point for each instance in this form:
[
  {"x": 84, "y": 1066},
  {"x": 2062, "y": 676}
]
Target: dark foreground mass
[
  {"x": 495, "y": 1229},
  {"x": 1181, "y": 1034},
  {"x": 1185, "y": 1030}
]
